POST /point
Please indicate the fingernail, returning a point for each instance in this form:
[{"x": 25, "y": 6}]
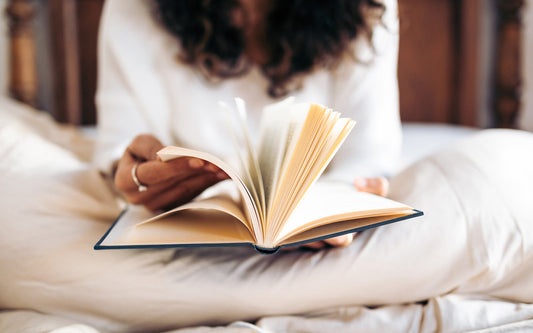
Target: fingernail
[
  {"x": 211, "y": 167},
  {"x": 222, "y": 175},
  {"x": 344, "y": 240},
  {"x": 196, "y": 163},
  {"x": 360, "y": 183}
]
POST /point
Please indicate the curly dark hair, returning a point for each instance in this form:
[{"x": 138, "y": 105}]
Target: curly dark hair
[{"x": 300, "y": 36}]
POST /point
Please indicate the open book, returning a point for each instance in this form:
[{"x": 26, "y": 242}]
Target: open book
[{"x": 274, "y": 199}]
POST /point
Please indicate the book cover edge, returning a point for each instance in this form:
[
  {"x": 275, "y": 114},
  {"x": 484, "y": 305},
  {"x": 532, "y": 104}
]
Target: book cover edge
[
  {"x": 416, "y": 213},
  {"x": 262, "y": 250}
]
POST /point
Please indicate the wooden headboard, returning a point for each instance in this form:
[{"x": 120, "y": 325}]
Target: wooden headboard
[
  {"x": 53, "y": 56},
  {"x": 459, "y": 61}
]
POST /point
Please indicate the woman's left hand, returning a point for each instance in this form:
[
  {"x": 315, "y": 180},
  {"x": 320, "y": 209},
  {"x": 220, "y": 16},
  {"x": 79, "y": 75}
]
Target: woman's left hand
[{"x": 378, "y": 186}]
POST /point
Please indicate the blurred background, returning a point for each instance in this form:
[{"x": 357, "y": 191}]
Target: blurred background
[{"x": 465, "y": 63}]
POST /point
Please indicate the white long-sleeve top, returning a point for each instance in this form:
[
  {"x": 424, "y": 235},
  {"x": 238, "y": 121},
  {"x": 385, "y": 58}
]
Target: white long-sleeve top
[{"x": 143, "y": 88}]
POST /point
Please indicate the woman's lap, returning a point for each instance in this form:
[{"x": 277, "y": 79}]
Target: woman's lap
[
  {"x": 474, "y": 238},
  {"x": 491, "y": 177}
]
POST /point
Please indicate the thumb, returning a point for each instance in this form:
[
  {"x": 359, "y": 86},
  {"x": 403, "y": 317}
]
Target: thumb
[{"x": 378, "y": 185}]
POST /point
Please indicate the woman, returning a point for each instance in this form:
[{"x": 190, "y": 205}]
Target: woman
[
  {"x": 190, "y": 54},
  {"x": 475, "y": 238}
]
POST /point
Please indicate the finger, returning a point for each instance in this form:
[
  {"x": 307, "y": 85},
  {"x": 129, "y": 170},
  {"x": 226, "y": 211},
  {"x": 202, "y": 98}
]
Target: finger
[
  {"x": 151, "y": 173},
  {"x": 123, "y": 179},
  {"x": 144, "y": 147},
  {"x": 340, "y": 241},
  {"x": 315, "y": 245},
  {"x": 183, "y": 192},
  {"x": 140, "y": 198},
  {"x": 378, "y": 186},
  {"x": 155, "y": 171}
]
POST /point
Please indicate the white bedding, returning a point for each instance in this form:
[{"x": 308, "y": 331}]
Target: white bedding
[{"x": 467, "y": 265}]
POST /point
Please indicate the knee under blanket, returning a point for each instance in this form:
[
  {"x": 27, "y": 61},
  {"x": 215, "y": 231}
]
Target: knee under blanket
[{"x": 475, "y": 239}]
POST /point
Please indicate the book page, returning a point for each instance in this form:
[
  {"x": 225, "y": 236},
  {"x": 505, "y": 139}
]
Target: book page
[
  {"x": 309, "y": 174},
  {"x": 223, "y": 203},
  {"x": 342, "y": 227},
  {"x": 295, "y": 159},
  {"x": 250, "y": 169},
  {"x": 249, "y": 206},
  {"x": 187, "y": 226},
  {"x": 321, "y": 135},
  {"x": 328, "y": 202},
  {"x": 279, "y": 124}
]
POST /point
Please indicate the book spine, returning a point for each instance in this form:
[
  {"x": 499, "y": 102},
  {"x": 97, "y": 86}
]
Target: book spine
[{"x": 266, "y": 250}]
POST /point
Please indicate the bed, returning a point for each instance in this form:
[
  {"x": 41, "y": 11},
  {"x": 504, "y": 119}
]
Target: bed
[
  {"x": 37, "y": 143},
  {"x": 52, "y": 280}
]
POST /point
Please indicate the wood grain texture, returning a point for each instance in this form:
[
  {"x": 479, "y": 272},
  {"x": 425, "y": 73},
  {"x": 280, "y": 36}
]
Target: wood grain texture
[
  {"x": 426, "y": 60},
  {"x": 65, "y": 55},
  {"x": 88, "y": 15},
  {"x": 508, "y": 83},
  {"x": 466, "y": 108},
  {"x": 23, "y": 81},
  {"x": 73, "y": 33}
]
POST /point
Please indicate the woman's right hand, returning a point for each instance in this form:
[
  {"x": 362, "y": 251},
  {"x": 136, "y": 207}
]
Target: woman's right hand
[{"x": 168, "y": 184}]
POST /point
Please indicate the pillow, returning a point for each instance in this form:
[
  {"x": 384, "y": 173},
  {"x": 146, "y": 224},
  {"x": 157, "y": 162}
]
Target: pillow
[{"x": 23, "y": 121}]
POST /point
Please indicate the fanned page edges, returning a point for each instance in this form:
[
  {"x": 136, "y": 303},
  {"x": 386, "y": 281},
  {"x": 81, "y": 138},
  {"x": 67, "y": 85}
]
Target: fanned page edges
[
  {"x": 297, "y": 142},
  {"x": 328, "y": 132},
  {"x": 236, "y": 122}
]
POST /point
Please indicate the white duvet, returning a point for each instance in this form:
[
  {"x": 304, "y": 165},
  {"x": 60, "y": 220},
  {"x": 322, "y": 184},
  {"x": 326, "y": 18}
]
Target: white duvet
[{"x": 466, "y": 265}]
